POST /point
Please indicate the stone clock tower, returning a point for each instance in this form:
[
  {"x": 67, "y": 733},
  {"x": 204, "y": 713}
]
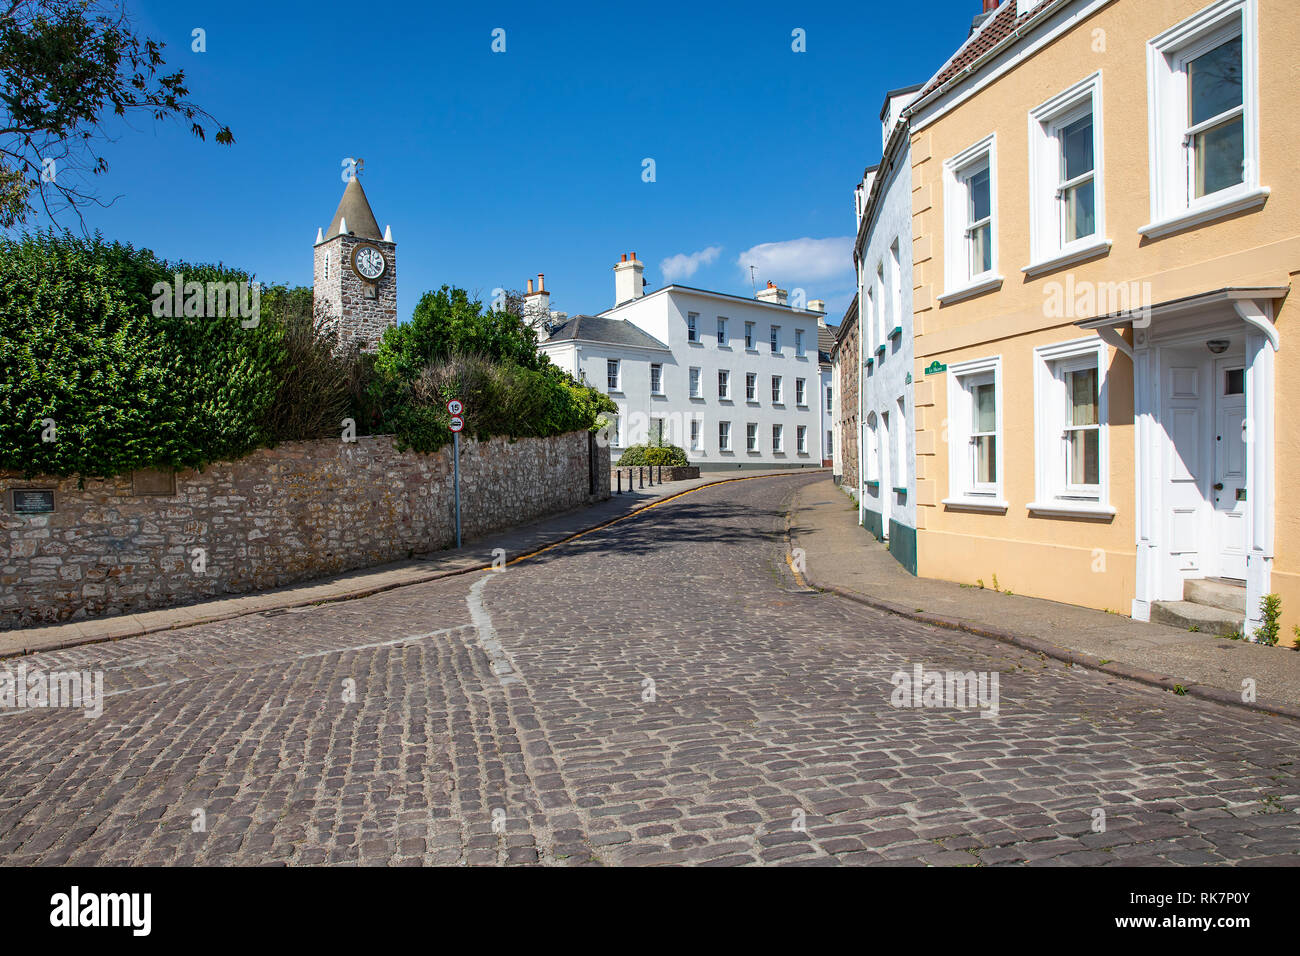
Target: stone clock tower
[{"x": 355, "y": 279}]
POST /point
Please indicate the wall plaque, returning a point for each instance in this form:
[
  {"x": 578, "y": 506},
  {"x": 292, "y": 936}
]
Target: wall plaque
[
  {"x": 33, "y": 501},
  {"x": 152, "y": 481}
]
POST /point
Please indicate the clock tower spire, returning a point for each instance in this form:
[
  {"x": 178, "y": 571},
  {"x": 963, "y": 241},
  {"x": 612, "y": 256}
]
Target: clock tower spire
[{"x": 355, "y": 278}]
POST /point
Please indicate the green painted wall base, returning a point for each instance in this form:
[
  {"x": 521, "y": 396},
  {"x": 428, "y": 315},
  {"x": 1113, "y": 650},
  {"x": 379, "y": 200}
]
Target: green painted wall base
[
  {"x": 873, "y": 523},
  {"x": 902, "y": 545}
]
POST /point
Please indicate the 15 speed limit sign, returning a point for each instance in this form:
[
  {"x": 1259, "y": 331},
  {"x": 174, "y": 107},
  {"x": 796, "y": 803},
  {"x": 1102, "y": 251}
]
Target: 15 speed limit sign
[
  {"x": 454, "y": 407},
  {"x": 457, "y": 423}
]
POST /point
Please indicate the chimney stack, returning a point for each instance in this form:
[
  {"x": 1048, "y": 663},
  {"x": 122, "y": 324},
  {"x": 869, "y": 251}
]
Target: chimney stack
[
  {"x": 537, "y": 303},
  {"x": 629, "y": 283},
  {"x": 771, "y": 294}
]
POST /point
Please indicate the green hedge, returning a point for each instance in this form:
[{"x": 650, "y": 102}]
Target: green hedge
[
  {"x": 653, "y": 455},
  {"x": 80, "y": 347}
]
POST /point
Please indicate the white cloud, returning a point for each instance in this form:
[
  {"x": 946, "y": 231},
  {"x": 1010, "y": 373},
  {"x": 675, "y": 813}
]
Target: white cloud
[
  {"x": 797, "y": 261},
  {"x": 682, "y": 266}
]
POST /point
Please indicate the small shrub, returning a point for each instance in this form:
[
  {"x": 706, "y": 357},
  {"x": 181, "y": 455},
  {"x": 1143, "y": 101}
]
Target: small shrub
[
  {"x": 667, "y": 455},
  {"x": 1270, "y": 610}
]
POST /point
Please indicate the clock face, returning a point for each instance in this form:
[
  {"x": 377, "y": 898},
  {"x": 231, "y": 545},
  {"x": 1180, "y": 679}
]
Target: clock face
[{"x": 368, "y": 262}]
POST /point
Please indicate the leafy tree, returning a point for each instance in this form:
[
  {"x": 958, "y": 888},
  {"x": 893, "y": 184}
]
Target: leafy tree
[
  {"x": 67, "y": 66},
  {"x": 449, "y": 322}
]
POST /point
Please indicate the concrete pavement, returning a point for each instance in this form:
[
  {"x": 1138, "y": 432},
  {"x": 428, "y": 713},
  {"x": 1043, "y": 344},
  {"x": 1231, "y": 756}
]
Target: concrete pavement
[{"x": 844, "y": 558}]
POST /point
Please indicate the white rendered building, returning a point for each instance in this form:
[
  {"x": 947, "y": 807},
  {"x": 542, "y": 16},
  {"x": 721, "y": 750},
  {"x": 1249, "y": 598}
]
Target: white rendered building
[{"x": 735, "y": 381}]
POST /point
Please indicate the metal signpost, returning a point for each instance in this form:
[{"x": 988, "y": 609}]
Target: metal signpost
[{"x": 455, "y": 408}]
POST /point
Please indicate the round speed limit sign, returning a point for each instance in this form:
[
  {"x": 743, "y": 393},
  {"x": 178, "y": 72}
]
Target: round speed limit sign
[
  {"x": 457, "y": 423},
  {"x": 454, "y": 407}
]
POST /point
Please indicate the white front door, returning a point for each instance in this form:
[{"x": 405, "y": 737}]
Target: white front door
[
  {"x": 1186, "y": 416},
  {"x": 1229, "y": 487}
]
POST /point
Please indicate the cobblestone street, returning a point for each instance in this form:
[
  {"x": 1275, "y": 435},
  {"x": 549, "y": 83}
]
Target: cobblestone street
[{"x": 659, "y": 691}]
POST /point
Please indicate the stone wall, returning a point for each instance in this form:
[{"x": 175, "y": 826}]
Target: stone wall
[
  {"x": 281, "y": 515},
  {"x": 848, "y": 425}
]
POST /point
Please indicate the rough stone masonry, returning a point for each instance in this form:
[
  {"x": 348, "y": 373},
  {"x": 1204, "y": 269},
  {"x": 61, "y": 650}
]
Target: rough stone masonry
[{"x": 278, "y": 516}]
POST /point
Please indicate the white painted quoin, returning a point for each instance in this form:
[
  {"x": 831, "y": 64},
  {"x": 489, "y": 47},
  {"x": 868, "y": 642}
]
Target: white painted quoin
[{"x": 696, "y": 386}]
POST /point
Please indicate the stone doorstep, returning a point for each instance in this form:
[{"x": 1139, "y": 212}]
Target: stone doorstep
[{"x": 354, "y": 584}]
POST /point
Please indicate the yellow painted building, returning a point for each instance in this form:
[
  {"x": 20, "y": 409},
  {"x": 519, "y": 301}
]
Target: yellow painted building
[{"x": 1106, "y": 221}]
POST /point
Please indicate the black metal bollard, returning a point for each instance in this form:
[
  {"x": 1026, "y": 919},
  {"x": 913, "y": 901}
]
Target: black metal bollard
[
  {"x": 661, "y": 474},
  {"x": 640, "y": 473},
  {"x": 620, "y": 481}
]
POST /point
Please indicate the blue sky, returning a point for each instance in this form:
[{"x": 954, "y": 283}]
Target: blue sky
[{"x": 492, "y": 167}]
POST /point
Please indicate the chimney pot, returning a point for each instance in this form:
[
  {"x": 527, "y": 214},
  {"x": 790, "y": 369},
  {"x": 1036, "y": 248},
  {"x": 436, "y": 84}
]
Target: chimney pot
[
  {"x": 634, "y": 257},
  {"x": 541, "y": 285},
  {"x": 530, "y": 286},
  {"x": 990, "y": 5}
]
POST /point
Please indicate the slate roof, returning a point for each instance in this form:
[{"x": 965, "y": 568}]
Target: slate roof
[
  {"x": 997, "y": 28},
  {"x": 825, "y": 343},
  {"x": 593, "y": 328}
]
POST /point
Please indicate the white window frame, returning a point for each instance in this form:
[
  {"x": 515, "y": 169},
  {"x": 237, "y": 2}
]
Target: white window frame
[
  {"x": 696, "y": 391},
  {"x": 693, "y": 328},
  {"x": 872, "y": 464},
  {"x": 616, "y": 438},
  {"x": 778, "y": 390},
  {"x": 963, "y": 491},
  {"x": 1053, "y": 495},
  {"x": 774, "y": 339},
  {"x": 751, "y": 436},
  {"x": 751, "y": 387},
  {"x": 724, "y": 384},
  {"x": 1172, "y": 207},
  {"x": 749, "y": 337},
  {"x": 898, "y": 460},
  {"x": 830, "y": 398},
  {"x": 882, "y": 313},
  {"x": 723, "y": 340},
  {"x": 959, "y": 283},
  {"x": 724, "y": 436},
  {"x": 697, "y": 435},
  {"x": 798, "y": 343},
  {"x": 617, "y": 385},
  {"x": 656, "y": 388},
  {"x": 1047, "y": 246},
  {"x": 778, "y": 439},
  {"x": 871, "y": 322},
  {"x": 895, "y": 285},
  {"x": 801, "y": 392},
  {"x": 801, "y": 439}
]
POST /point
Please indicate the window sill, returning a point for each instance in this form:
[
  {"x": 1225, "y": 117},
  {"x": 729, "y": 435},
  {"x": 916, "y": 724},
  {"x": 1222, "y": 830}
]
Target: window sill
[
  {"x": 978, "y": 287},
  {"x": 1238, "y": 201},
  {"x": 996, "y": 505},
  {"x": 1068, "y": 257},
  {"x": 1071, "y": 509},
  {"x": 897, "y": 332}
]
